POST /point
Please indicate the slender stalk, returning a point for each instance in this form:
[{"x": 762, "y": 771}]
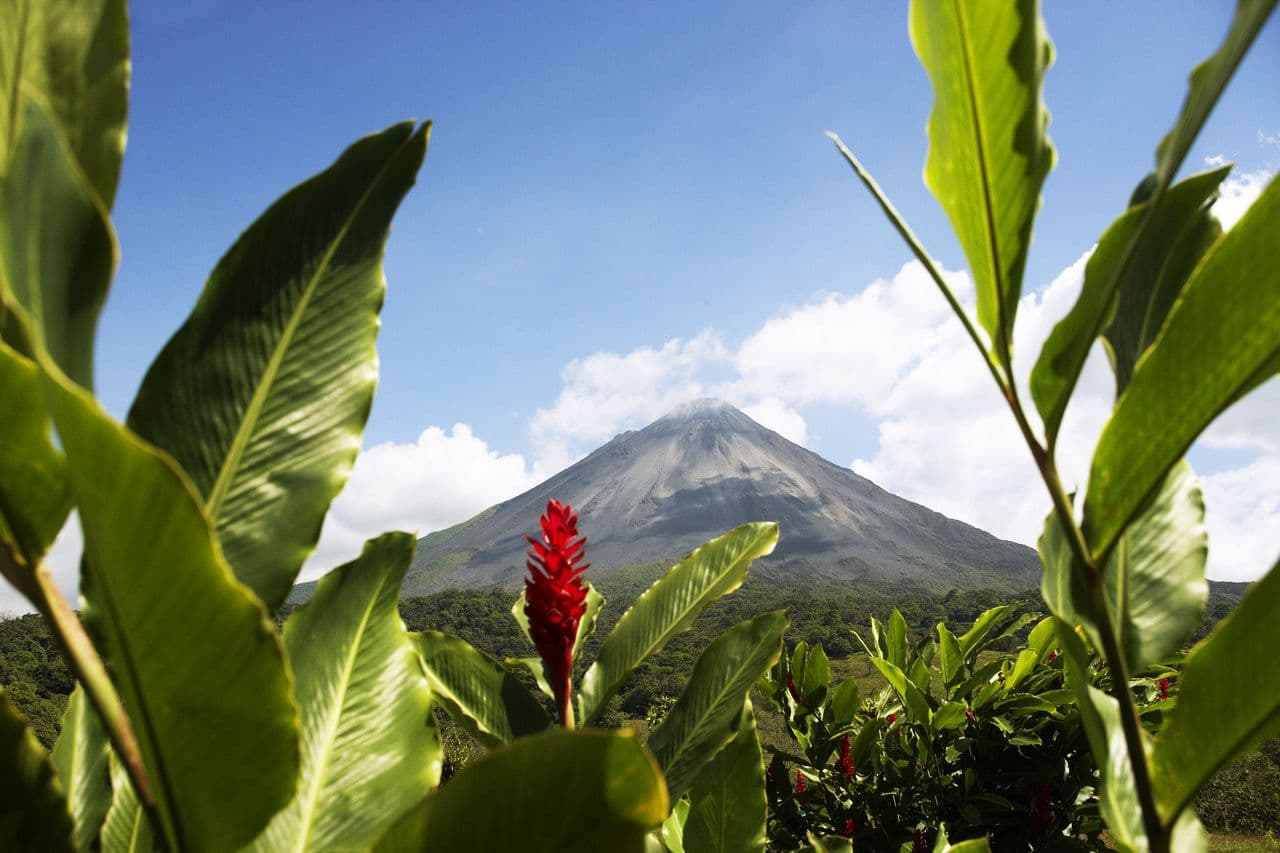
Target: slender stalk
[{"x": 90, "y": 671}]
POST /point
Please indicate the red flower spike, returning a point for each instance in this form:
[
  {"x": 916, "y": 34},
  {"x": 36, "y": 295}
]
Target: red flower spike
[
  {"x": 801, "y": 784},
  {"x": 556, "y": 598},
  {"x": 1164, "y": 689},
  {"x": 849, "y": 827},
  {"x": 847, "y": 767},
  {"x": 919, "y": 844},
  {"x": 892, "y": 718}
]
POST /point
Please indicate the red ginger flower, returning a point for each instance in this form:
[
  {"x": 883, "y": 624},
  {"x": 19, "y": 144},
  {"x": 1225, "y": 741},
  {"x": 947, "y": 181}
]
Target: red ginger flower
[
  {"x": 556, "y": 598},
  {"x": 801, "y": 784},
  {"x": 919, "y": 844},
  {"x": 1164, "y": 688},
  {"x": 849, "y": 827},
  {"x": 847, "y": 767}
]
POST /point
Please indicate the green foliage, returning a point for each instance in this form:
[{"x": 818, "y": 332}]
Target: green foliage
[
  {"x": 33, "y": 811},
  {"x": 1191, "y": 317},
  {"x": 81, "y": 761}
]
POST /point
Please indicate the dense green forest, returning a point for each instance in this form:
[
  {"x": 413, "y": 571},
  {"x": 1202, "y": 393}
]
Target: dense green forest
[{"x": 1244, "y": 796}]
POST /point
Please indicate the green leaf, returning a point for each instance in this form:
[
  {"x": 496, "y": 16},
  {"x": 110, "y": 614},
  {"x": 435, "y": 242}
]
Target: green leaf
[
  {"x": 57, "y": 250},
  {"x": 478, "y": 692},
  {"x": 1208, "y": 79},
  {"x": 1226, "y": 698},
  {"x": 671, "y": 834},
  {"x": 729, "y": 803},
  {"x": 827, "y": 844},
  {"x": 951, "y": 658},
  {"x": 982, "y": 626},
  {"x": 76, "y": 56},
  {"x": 1222, "y": 332},
  {"x": 1062, "y": 581},
  {"x": 263, "y": 393},
  {"x": 1155, "y": 576},
  {"x": 911, "y": 696},
  {"x": 126, "y": 829},
  {"x": 989, "y": 151},
  {"x": 844, "y": 703},
  {"x": 708, "y": 712},
  {"x": 816, "y": 679},
  {"x": 33, "y": 811},
  {"x": 1132, "y": 268},
  {"x": 33, "y": 481},
  {"x": 199, "y": 667},
  {"x": 973, "y": 845},
  {"x": 369, "y": 749},
  {"x": 559, "y": 792},
  {"x": 949, "y": 716},
  {"x": 534, "y": 665},
  {"x": 670, "y": 607},
  {"x": 895, "y": 640},
  {"x": 80, "y": 759}
]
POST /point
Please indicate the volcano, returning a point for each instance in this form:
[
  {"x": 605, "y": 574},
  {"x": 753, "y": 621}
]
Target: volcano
[{"x": 655, "y": 494}]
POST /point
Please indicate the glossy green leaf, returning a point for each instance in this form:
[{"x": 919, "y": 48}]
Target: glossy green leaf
[
  {"x": 263, "y": 393},
  {"x": 728, "y": 800},
  {"x": 895, "y": 639},
  {"x": 75, "y": 55},
  {"x": 477, "y": 691},
  {"x": 1129, "y": 282},
  {"x": 949, "y": 716},
  {"x": 369, "y": 748},
  {"x": 57, "y": 250},
  {"x": 816, "y": 678},
  {"x": 1208, "y": 79},
  {"x": 1155, "y": 576},
  {"x": 80, "y": 759},
  {"x": 558, "y": 792},
  {"x": 973, "y": 845},
  {"x": 989, "y": 151},
  {"x": 827, "y": 844},
  {"x": 910, "y": 695},
  {"x": 1222, "y": 332},
  {"x": 982, "y": 626},
  {"x": 126, "y": 829},
  {"x": 844, "y": 703},
  {"x": 951, "y": 658},
  {"x": 198, "y": 665},
  {"x": 33, "y": 488},
  {"x": 33, "y": 811},
  {"x": 1227, "y": 699},
  {"x": 671, "y": 835},
  {"x": 670, "y": 607},
  {"x": 708, "y": 712}
]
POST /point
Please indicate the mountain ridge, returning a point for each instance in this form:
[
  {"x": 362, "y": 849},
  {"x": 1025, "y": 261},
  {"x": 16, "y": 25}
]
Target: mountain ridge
[{"x": 654, "y": 494}]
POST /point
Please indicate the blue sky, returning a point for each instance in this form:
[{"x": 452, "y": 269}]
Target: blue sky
[{"x": 625, "y": 204}]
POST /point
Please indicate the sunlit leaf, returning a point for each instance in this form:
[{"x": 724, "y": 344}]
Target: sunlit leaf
[
  {"x": 33, "y": 811},
  {"x": 369, "y": 748},
  {"x": 126, "y": 829},
  {"x": 670, "y": 607},
  {"x": 728, "y": 800},
  {"x": 989, "y": 151},
  {"x": 263, "y": 393},
  {"x": 80, "y": 759},
  {"x": 708, "y": 712}
]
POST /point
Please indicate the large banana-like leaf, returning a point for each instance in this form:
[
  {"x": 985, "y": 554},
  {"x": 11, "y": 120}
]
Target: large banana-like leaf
[
  {"x": 33, "y": 489},
  {"x": 80, "y": 759},
  {"x": 369, "y": 748},
  {"x": 708, "y": 712},
  {"x": 729, "y": 804},
  {"x": 558, "y": 792},
  {"x": 33, "y": 811},
  {"x": 126, "y": 828},
  {"x": 1220, "y": 337},
  {"x": 989, "y": 151},
  {"x": 1227, "y": 699},
  {"x": 1156, "y": 573},
  {"x": 477, "y": 691},
  {"x": 1127, "y": 268},
  {"x": 75, "y": 55},
  {"x": 670, "y": 607},
  {"x": 198, "y": 665},
  {"x": 263, "y": 393}
]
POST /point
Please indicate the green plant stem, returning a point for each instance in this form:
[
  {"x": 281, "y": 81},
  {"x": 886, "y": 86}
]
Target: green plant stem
[{"x": 90, "y": 671}]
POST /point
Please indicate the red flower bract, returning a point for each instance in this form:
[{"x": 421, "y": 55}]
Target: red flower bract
[
  {"x": 846, "y": 764},
  {"x": 555, "y": 596}
]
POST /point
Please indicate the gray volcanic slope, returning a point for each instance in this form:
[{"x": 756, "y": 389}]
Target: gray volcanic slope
[{"x": 656, "y": 494}]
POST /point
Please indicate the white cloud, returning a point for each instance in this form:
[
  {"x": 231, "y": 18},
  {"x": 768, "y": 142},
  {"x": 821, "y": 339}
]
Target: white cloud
[
  {"x": 1238, "y": 192},
  {"x": 437, "y": 481},
  {"x": 1242, "y": 511},
  {"x": 63, "y": 560},
  {"x": 781, "y": 418}
]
